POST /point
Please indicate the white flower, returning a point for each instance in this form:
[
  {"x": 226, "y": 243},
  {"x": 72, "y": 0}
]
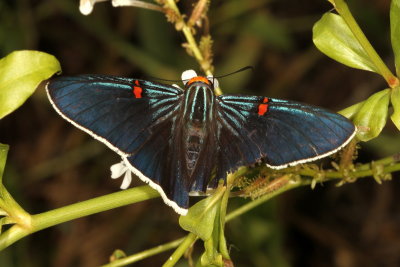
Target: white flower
[
  {"x": 214, "y": 81},
  {"x": 119, "y": 169},
  {"x": 187, "y": 75},
  {"x": 86, "y": 6},
  {"x": 117, "y": 3}
]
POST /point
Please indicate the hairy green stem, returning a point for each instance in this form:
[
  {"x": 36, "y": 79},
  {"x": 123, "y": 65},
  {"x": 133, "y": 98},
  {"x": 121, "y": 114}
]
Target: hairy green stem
[
  {"x": 50, "y": 218},
  {"x": 187, "y": 31},
  {"x": 343, "y": 10},
  {"x": 252, "y": 204},
  {"x": 192, "y": 44},
  {"x": 360, "y": 172}
]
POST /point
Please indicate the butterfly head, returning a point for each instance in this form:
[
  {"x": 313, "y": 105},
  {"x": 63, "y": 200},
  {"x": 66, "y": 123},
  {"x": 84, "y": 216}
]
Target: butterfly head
[{"x": 190, "y": 77}]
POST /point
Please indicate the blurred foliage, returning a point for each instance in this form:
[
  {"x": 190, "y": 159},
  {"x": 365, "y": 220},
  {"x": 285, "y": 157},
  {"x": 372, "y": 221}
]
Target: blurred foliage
[{"x": 354, "y": 225}]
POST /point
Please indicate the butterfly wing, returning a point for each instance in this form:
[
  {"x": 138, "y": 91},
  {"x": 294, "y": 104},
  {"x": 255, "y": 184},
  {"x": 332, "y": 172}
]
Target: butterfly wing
[
  {"x": 135, "y": 118},
  {"x": 117, "y": 111},
  {"x": 279, "y": 132},
  {"x": 141, "y": 121}
]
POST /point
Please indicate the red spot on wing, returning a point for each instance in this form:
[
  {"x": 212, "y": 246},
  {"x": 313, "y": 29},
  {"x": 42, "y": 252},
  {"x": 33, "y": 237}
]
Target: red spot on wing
[
  {"x": 263, "y": 108},
  {"x": 137, "y": 90}
]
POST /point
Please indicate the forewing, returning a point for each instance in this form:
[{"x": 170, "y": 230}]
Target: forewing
[
  {"x": 121, "y": 112},
  {"x": 279, "y": 132},
  {"x": 136, "y": 118}
]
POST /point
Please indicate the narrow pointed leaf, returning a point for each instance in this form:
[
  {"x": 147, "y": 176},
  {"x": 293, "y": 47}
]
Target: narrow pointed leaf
[
  {"x": 20, "y": 73},
  {"x": 201, "y": 216},
  {"x": 211, "y": 255},
  {"x": 372, "y": 116},
  {"x": 395, "y": 32},
  {"x": 351, "y": 111},
  {"x": 223, "y": 248},
  {"x": 395, "y": 99},
  {"x": 3, "y": 157},
  {"x": 333, "y": 37}
]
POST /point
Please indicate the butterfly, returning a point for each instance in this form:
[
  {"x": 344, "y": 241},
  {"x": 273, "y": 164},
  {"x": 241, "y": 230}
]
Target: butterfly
[{"x": 182, "y": 141}]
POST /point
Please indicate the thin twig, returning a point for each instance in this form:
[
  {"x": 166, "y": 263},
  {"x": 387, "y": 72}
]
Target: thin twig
[{"x": 145, "y": 254}]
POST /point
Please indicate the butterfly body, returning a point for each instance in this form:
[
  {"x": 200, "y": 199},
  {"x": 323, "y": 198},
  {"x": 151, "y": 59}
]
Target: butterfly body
[
  {"x": 197, "y": 116},
  {"x": 186, "y": 140}
]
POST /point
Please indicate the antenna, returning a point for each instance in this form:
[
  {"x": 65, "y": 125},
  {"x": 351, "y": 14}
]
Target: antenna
[{"x": 236, "y": 71}]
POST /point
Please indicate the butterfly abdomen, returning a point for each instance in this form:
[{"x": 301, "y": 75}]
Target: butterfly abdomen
[{"x": 197, "y": 120}]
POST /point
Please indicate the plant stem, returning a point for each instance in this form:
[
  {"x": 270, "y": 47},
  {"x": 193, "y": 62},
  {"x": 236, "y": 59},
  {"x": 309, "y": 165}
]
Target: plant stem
[
  {"x": 343, "y": 10},
  {"x": 187, "y": 31},
  {"x": 77, "y": 210},
  {"x": 188, "y": 35},
  {"x": 252, "y": 204},
  {"x": 14, "y": 213},
  {"x": 362, "y": 171},
  {"x": 187, "y": 242},
  {"x": 145, "y": 254}
]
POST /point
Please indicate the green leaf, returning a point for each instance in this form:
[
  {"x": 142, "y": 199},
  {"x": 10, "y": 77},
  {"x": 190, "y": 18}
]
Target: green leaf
[
  {"x": 333, "y": 37},
  {"x": 351, "y": 111},
  {"x": 3, "y": 157},
  {"x": 211, "y": 255},
  {"x": 201, "y": 216},
  {"x": 395, "y": 32},
  {"x": 223, "y": 248},
  {"x": 20, "y": 73},
  {"x": 372, "y": 116},
  {"x": 395, "y": 99}
]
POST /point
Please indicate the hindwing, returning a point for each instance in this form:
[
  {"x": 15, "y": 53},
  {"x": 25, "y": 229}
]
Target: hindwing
[{"x": 279, "y": 132}]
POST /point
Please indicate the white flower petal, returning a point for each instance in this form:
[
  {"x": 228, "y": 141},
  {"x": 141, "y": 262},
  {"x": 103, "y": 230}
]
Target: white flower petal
[
  {"x": 86, "y": 6},
  {"x": 187, "y": 75},
  {"x": 116, "y": 3},
  {"x": 118, "y": 169},
  {"x": 214, "y": 81},
  {"x": 127, "y": 180}
]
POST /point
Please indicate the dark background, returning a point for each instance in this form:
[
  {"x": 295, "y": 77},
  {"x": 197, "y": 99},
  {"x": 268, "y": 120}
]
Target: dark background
[{"x": 52, "y": 164}]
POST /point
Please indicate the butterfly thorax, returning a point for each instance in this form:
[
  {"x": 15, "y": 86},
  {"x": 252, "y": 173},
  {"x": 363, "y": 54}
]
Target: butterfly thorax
[{"x": 197, "y": 119}]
